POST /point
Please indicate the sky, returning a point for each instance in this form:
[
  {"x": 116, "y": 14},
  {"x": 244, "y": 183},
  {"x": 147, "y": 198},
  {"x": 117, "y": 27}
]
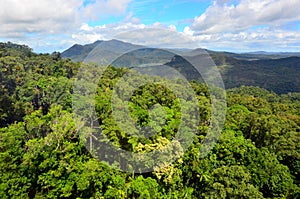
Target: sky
[{"x": 223, "y": 25}]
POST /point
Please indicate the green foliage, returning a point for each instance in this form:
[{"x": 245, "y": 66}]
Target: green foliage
[
  {"x": 43, "y": 156},
  {"x": 144, "y": 188},
  {"x": 30, "y": 82},
  {"x": 231, "y": 182}
]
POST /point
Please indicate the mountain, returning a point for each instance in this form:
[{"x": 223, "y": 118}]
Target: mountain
[
  {"x": 278, "y": 72},
  {"x": 279, "y": 75},
  {"x": 90, "y": 52},
  {"x": 79, "y": 52},
  {"x": 275, "y": 53},
  {"x": 258, "y": 55}
]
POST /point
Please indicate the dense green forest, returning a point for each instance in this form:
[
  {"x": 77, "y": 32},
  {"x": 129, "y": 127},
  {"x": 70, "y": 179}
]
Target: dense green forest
[{"x": 43, "y": 156}]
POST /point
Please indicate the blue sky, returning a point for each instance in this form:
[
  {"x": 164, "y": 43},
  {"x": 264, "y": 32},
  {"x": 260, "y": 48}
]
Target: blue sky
[
  {"x": 229, "y": 25},
  {"x": 168, "y": 11}
]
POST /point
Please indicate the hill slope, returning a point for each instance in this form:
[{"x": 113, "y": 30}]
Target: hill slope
[{"x": 278, "y": 72}]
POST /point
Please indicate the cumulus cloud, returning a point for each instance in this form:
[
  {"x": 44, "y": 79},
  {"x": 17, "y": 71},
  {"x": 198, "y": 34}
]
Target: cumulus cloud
[
  {"x": 160, "y": 37},
  {"x": 247, "y": 25},
  {"x": 225, "y": 17},
  {"x": 155, "y": 35},
  {"x": 20, "y": 17},
  {"x": 238, "y": 25},
  {"x": 251, "y": 40},
  {"x": 88, "y": 34}
]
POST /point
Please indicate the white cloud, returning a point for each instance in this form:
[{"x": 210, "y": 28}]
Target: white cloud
[
  {"x": 247, "y": 25},
  {"x": 47, "y": 25},
  {"x": 88, "y": 34},
  {"x": 239, "y": 25},
  {"x": 248, "y": 13},
  {"x": 85, "y": 27},
  {"x": 155, "y": 35},
  {"x": 161, "y": 37},
  {"x": 172, "y": 27},
  {"x": 188, "y": 31},
  {"x": 252, "y": 40},
  {"x": 18, "y": 17}
]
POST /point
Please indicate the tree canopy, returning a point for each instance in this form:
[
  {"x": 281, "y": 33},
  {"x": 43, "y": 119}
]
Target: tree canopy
[{"x": 42, "y": 155}]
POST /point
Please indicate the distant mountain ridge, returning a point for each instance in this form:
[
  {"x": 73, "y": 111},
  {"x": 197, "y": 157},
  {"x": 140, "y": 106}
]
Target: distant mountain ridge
[
  {"x": 78, "y": 52},
  {"x": 279, "y": 72},
  {"x": 81, "y": 52}
]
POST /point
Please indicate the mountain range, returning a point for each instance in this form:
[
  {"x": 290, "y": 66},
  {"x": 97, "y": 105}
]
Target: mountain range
[{"x": 275, "y": 71}]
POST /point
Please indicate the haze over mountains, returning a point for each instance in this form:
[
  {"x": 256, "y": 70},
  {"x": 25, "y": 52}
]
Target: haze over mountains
[{"x": 276, "y": 71}]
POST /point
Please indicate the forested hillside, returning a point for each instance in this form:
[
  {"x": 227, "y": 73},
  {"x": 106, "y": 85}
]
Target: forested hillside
[
  {"x": 278, "y": 72},
  {"x": 280, "y": 75},
  {"x": 43, "y": 156}
]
